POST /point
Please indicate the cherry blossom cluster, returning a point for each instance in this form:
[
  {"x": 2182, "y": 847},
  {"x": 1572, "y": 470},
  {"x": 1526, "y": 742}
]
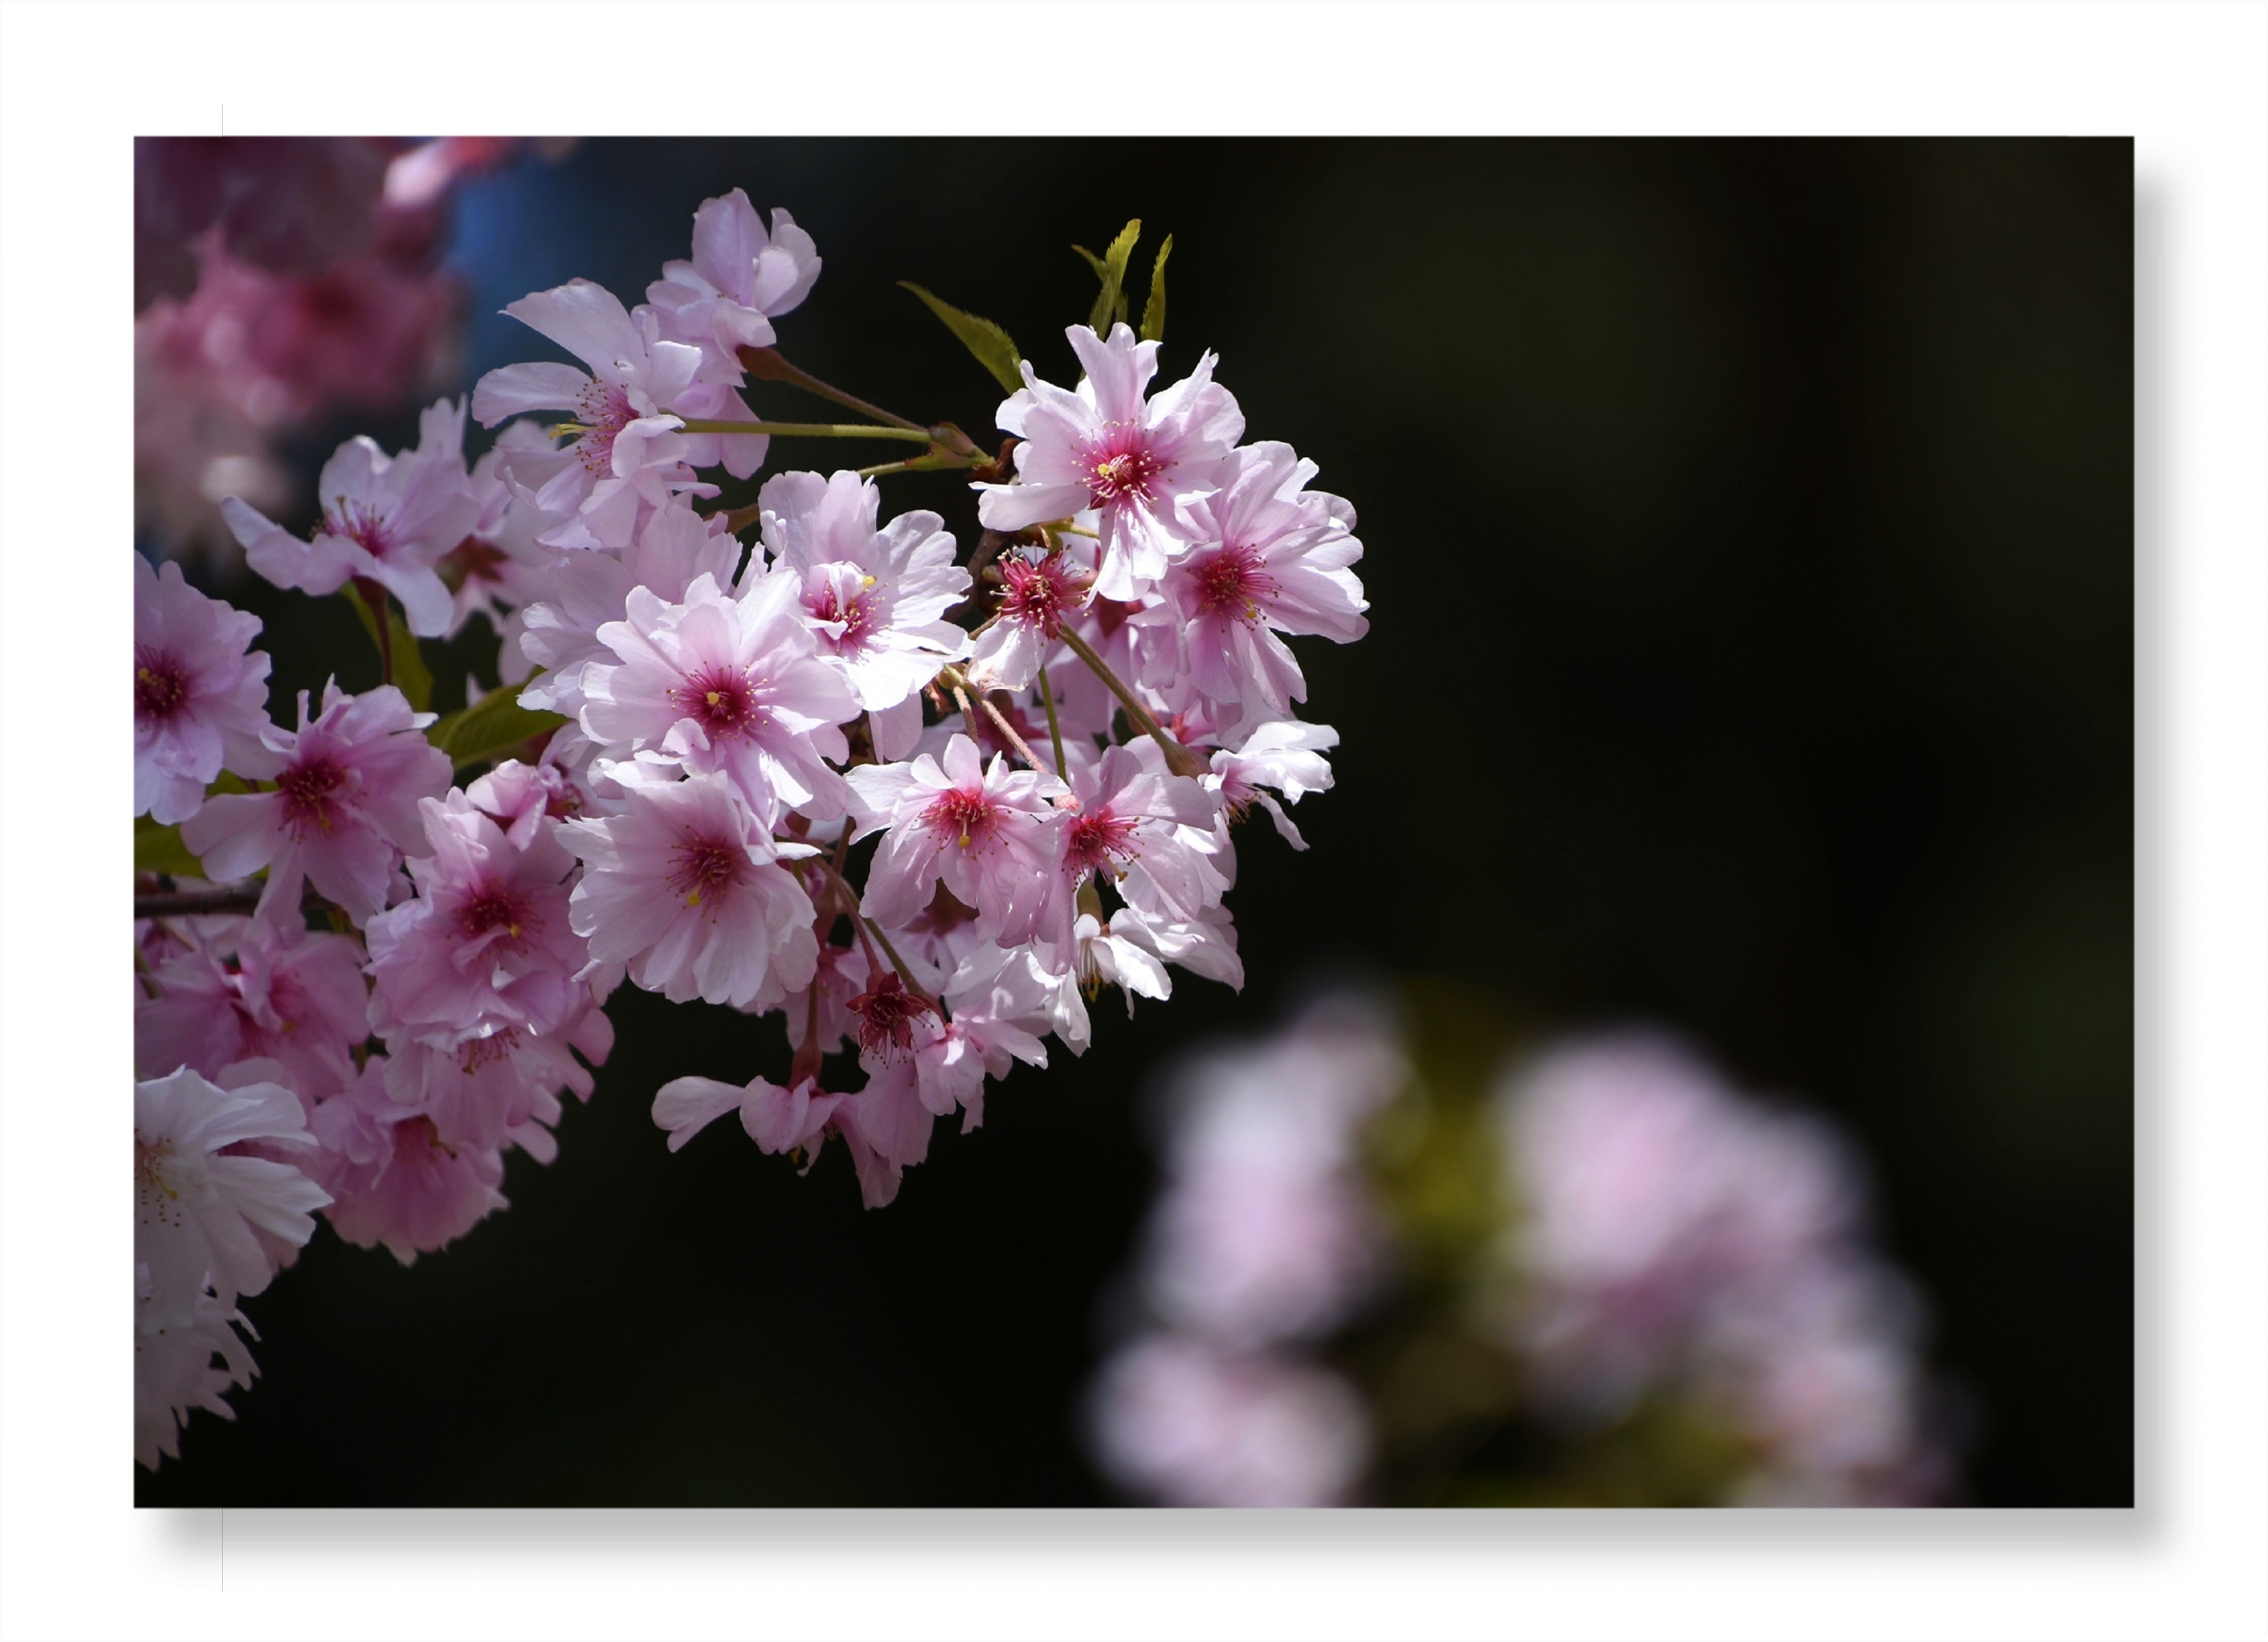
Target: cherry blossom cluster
[
  {"x": 1653, "y": 1238},
  {"x": 371, "y": 979}
]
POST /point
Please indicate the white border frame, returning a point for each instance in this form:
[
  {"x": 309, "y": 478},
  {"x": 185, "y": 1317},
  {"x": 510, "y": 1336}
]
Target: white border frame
[{"x": 2189, "y": 80}]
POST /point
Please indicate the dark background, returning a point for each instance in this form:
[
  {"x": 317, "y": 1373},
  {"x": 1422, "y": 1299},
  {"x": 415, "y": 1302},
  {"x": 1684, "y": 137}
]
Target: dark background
[{"x": 1749, "y": 550}]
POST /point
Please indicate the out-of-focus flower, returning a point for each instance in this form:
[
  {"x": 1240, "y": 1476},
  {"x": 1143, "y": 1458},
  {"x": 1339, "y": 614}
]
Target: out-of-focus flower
[
  {"x": 173, "y": 1370},
  {"x": 1264, "y": 1238},
  {"x": 275, "y": 278},
  {"x": 1266, "y": 1229},
  {"x": 1676, "y": 1238},
  {"x": 1177, "y": 1420}
]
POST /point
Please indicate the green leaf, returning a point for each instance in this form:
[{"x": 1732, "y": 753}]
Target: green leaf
[
  {"x": 1110, "y": 302},
  {"x": 495, "y": 724},
  {"x": 160, "y": 850},
  {"x": 1092, "y": 261},
  {"x": 993, "y": 346},
  {"x": 411, "y": 676},
  {"x": 1153, "y": 312}
]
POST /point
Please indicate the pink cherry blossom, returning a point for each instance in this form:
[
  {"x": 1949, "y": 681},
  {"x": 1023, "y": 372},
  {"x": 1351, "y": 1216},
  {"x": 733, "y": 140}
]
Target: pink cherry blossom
[
  {"x": 200, "y": 693},
  {"x": 343, "y": 811},
  {"x": 776, "y": 1119},
  {"x": 396, "y": 1182},
  {"x": 739, "y": 278},
  {"x": 726, "y": 685},
  {"x": 686, "y": 887},
  {"x": 386, "y": 519},
  {"x": 560, "y": 631},
  {"x": 873, "y": 595},
  {"x": 630, "y": 408},
  {"x": 173, "y": 1370},
  {"x": 485, "y": 944},
  {"x": 1127, "y": 811},
  {"x": 498, "y": 1090},
  {"x": 1036, "y": 595},
  {"x": 1187, "y": 1423},
  {"x": 990, "y": 835},
  {"x": 266, "y": 990},
  {"x": 500, "y": 565},
  {"x": 196, "y": 1206},
  {"x": 1287, "y": 757},
  {"x": 825, "y": 1020},
  {"x": 1268, "y": 557},
  {"x": 1104, "y": 448}
]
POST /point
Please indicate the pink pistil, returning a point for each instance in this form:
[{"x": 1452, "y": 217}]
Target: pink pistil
[
  {"x": 964, "y": 812},
  {"x": 721, "y": 700},
  {"x": 1040, "y": 594},
  {"x": 1232, "y": 584}
]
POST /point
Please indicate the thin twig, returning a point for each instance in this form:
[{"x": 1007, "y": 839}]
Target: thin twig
[
  {"x": 1178, "y": 759},
  {"x": 805, "y": 430},
  {"x": 768, "y": 365}
]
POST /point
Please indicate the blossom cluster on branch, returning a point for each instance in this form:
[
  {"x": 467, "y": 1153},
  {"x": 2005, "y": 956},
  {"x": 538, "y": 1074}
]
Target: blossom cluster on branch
[{"x": 364, "y": 977}]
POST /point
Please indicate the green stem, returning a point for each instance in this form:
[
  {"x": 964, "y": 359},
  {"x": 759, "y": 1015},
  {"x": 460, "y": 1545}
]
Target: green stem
[
  {"x": 936, "y": 461},
  {"x": 868, "y": 932},
  {"x": 374, "y": 596},
  {"x": 1178, "y": 759},
  {"x": 1055, "y": 729},
  {"x": 960, "y": 688},
  {"x": 768, "y": 364},
  {"x": 809, "y": 430}
]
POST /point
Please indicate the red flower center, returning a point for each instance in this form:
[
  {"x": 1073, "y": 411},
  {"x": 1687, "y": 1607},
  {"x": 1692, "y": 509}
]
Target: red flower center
[
  {"x": 364, "y": 527},
  {"x": 1232, "y": 584},
  {"x": 486, "y": 1051},
  {"x": 965, "y": 813},
  {"x": 1122, "y": 469},
  {"x": 706, "y": 867},
  {"x": 311, "y": 792},
  {"x": 160, "y": 685},
  {"x": 495, "y": 908},
  {"x": 831, "y": 606},
  {"x": 1095, "y": 839},
  {"x": 722, "y": 700},
  {"x": 886, "y": 1018},
  {"x": 1040, "y": 594}
]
